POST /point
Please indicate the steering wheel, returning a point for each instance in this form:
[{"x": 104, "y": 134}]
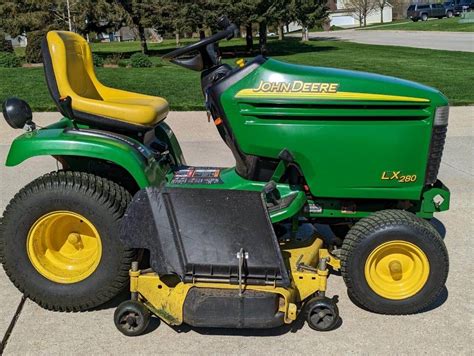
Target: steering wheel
[{"x": 207, "y": 57}]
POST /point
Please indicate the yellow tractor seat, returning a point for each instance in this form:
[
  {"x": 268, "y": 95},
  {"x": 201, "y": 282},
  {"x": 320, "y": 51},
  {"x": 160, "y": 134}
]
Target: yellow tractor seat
[{"x": 70, "y": 72}]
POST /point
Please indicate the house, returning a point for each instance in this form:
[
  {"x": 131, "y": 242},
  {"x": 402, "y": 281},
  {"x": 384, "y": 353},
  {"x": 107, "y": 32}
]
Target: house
[
  {"x": 18, "y": 41},
  {"x": 342, "y": 16}
]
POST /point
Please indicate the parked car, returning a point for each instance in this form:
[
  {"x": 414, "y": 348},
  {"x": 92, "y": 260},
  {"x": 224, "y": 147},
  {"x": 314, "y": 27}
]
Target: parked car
[
  {"x": 424, "y": 11},
  {"x": 449, "y": 8},
  {"x": 464, "y": 5}
]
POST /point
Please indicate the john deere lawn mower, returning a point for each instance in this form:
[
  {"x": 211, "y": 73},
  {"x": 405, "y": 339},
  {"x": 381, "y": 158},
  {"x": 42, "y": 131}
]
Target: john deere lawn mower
[{"x": 229, "y": 247}]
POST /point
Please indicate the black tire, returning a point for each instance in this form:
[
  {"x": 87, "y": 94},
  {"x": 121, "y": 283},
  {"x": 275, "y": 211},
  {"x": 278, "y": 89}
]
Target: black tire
[
  {"x": 322, "y": 314},
  {"x": 449, "y": 14},
  {"x": 132, "y": 318},
  {"x": 424, "y": 17},
  {"x": 415, "y": 20},
  {"x": 382, "y": 227},
  {"x": 99, "y": 200}
]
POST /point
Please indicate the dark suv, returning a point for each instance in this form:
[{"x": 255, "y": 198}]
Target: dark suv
[
  {"x": 424, "y": 11},
  {"x": 463, "y": 5}
]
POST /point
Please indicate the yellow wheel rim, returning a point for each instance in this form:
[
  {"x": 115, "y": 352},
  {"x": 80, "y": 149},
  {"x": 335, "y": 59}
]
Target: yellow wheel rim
[
  {"x": 64, "y": 247},
  {"x": 397, "y": 270}
]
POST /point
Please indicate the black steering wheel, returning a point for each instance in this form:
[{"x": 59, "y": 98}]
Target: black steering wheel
[{"x": 207, "y": 56}]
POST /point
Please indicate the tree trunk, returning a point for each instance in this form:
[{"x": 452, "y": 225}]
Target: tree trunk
[
  {"x": 305, "y": 34},
  {"x": 262, "y": 40},
  {"x": 176, "y": 36},
  {"x": 281, "y": 34},
  {"x": 381, "y": 14},
  {"x": 202, "y": 34},
  {"x": 141, "y": 34},
  {"x": 249, "y": 38}
]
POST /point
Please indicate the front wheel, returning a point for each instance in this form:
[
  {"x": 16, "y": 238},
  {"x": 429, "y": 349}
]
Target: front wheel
[
  {"x": 424, "y": 17},
  {"x": 394, "y": 263},
  {"x": 132, "y": 318},
  {"x": 59, "y": 241},
  {"x": 449, "y": 14}
]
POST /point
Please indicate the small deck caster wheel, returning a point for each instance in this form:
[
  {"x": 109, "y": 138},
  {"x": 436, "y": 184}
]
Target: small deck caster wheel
[
  {"x": 131, "y": 318},
  {"x": 322, "y": 313}
]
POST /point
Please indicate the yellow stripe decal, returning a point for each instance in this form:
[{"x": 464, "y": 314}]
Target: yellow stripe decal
[{"x": 251, "y": 93}]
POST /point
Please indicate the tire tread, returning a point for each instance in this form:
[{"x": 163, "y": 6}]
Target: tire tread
[
  {"x": 109, "y": 194},
  {"x": 384, "y": 219}
]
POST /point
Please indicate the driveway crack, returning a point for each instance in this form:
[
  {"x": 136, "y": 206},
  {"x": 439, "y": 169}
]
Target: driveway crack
[{"x": 9, "y": 331}]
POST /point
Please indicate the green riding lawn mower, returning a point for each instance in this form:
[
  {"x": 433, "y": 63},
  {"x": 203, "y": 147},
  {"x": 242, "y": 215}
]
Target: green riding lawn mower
[{"x": 229, "y": 247}]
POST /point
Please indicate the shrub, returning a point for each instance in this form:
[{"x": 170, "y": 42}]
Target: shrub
[
  {"x": 122, "y": 63},
  {"x": 9, "y": 60},
  {"x": 5, "y": 45},
  {"x": 140, "y": 60},
  {"x": 33, "y": 48},
  {"x": 113, "y": 59},
  {"x": 97, "y": 60},
  {"x": 160, "y": 62}
]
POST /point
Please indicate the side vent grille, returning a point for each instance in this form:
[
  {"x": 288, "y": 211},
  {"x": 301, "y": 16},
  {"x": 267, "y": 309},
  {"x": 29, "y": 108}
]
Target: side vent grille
[
  {"x": 436, "y": 151},
  {"x": 304, "y": 111}
]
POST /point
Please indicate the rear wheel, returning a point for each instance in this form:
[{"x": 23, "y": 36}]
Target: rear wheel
[
  {"x": 59, "y": 244},
  {"x": 394, "y": 263}
]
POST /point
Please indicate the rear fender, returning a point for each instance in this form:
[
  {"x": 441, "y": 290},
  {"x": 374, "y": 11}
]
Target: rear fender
[{"x": 127, "y": 153}]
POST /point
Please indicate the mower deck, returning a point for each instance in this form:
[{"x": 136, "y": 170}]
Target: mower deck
[{"x": 238, "y": 305}]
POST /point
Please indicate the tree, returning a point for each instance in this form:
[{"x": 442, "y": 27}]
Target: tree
[
  {"x": 243, "y": 13},
  {"x": 182, "y": 16},
  {"x": 97, "y": 16},
  {"x": 265, "y": 13},
  {"x": 139, "y": 14},
  {"x": 22, "y": 16},
  {"x": 382, "y": 4},
  {"x": 282, "y": 15},
  {"x": 309, "y": 13},
  {"x": 34, "y": 18},
  {"x": 361, "y": 9}
]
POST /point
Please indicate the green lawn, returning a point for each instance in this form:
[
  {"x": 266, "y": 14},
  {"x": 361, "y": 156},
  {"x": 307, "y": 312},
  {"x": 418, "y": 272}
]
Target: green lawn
[
  {"x": 448, "y": 71},
  {"x": 444, "y": 24}
]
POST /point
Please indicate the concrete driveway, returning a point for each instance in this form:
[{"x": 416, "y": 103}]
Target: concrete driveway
[
  {"x": 446, "y": 329},
  {"x": 449, "y": 41}
]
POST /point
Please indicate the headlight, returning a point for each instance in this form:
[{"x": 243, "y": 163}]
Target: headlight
[
  {"x": 441, "y": 116},
  {"x": 17, "y": 113}
]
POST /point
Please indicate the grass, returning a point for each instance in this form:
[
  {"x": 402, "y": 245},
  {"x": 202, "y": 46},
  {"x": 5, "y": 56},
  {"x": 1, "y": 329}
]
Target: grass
[
  {"x": 320, "y": 29},
  {"x": 448, "y": 71},
  {"x": 444, "y": 24},
  {"x": 393, "y": 23}
]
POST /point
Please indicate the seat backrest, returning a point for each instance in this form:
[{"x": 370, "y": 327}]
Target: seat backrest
[{"x": 69, "y": 67}]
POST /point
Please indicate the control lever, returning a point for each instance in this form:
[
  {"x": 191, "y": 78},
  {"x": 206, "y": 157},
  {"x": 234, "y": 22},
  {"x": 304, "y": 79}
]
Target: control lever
[
  {"x": 65, "y": 103},
  {"x": 286, "y": 158},
  {"x": 272, "y": 193}
]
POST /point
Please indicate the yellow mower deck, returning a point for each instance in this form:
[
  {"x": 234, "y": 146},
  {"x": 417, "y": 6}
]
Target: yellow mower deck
[{"x": 166, "y": 301}]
